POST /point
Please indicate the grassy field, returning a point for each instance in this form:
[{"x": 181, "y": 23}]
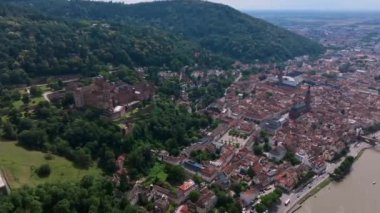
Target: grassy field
[
  {"x": 33, "y": 100},
  {"x": 19, "y": 164}
]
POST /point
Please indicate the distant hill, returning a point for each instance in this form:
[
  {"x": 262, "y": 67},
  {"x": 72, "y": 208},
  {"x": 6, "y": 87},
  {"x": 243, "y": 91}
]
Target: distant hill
[{"x": 218, "y": 28}]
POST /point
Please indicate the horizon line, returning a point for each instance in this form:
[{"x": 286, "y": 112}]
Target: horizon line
[{"x": 311, "y": 10}]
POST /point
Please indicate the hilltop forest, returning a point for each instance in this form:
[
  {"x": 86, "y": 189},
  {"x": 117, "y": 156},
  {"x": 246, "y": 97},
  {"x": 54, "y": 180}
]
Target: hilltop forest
[
  {"x": 37, "y": 45},
  {"x": 55, "y": 37}
]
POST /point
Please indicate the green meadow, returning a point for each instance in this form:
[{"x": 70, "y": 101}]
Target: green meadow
[{"x": 18, "y": 166}]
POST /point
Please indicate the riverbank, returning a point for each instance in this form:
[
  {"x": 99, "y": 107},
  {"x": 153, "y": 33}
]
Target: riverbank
[
  {"x": 343, "y": 169},
  {"x": 314, "y": 191},
  {"x": 361, "y": 153},
  {"x": 343, "y": 196},
  {"x": 356, "y": 150}
]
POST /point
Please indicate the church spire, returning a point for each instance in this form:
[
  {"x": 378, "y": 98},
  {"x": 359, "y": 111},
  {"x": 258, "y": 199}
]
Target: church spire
[{"x": 308, "y": 99}]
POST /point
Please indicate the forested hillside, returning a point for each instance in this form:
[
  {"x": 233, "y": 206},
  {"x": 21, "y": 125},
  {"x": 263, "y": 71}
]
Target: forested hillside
[
  {"x": 215, "y": 27},
  {"x": 33, "y": 45},
  {"x": 224, "y": 30}
]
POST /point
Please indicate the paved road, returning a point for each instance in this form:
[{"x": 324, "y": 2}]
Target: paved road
[
  {"x": 296, "y": 197},
  {"x": 46, "y": 96}
]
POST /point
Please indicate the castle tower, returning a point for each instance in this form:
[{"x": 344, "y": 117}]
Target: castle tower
[{"x": 280, "y": 75}]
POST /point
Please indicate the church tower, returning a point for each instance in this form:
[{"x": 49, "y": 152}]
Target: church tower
[{"x": 308, "y": 100}]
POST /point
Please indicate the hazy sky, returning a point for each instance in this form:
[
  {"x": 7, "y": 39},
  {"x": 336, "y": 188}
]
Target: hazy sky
[{"x": 295, "y": 4}]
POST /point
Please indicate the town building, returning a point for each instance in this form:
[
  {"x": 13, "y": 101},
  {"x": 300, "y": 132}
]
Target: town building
[
  {"x": 293, "y": 79},
  {"x": 277, "y": 153},
  {"x": 207, "y": 201},
  {"x": 300, "y": 108},
  {"x": 249, "y": 196}
]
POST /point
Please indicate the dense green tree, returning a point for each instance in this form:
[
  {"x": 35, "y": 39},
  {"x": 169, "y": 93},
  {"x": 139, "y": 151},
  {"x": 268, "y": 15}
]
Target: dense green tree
[
  {"x": 260, "y": 208},
  {"x": 226, "y": 203},
  {"x": 87, "y": 181},
  {"x": 9, "y": 131},
  {"x": 267, "y": 147},
  {"x": 107, "y": 160},
  {"x": 127, "y": 75},
  {"x": 169, "y": 126},
  {"x": 194, "y": 196},
  {"x": 35, "y": 91},
  {"x": 176, "y": 174},
  {"x": 258, "y": 150},
  {"x": 14, "y": 116},
  {"x": 91, "y": 195},
  {"x": 25, "y": 99},
  {"x": 34, "y": 138},
  {"x": 140, "y": 160},
  {"x": 83, "y": 158},
  {"x": 124, "y": 185},
  {"x": 170, "y": 88},
  {"x": 291, "y": 158},
  {"x": 250, "y": 172},
  {"x": 211, "y": 90},
  {"x": 55, "y": 84},
  {"x": 343, "y": 169},
  {"x": 236, "y": 187},
  {"x": 43, "y": 171},
  {"x": 197, "y": 179},
  {"x": 201, "y": 155},
  {"x": 35, "y": 206},
  {"x": 270, "y": 200}
]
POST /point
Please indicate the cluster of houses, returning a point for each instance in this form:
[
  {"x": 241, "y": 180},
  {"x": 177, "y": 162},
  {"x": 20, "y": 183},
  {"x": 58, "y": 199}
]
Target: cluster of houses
[
  {"x": 315, "y": 122},
  {"x": 232, "y": 166},
  {"x": 309, "y": 115},
  {"x": 162, "y": 197}
]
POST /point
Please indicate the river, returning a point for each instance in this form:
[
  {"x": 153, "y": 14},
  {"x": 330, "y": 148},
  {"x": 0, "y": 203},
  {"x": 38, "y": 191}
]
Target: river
[{"x": 355, "y": 194}]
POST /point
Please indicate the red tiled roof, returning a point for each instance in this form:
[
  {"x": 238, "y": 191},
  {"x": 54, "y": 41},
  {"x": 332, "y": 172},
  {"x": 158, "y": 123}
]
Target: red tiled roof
[{"x": 187, "y": 185}]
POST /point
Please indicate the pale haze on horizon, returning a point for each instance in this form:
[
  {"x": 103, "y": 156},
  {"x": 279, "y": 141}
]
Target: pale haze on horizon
[{"x": 293, "y": 4}]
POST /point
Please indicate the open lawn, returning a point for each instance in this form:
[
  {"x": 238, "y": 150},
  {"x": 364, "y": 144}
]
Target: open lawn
[
  {"x": 33, "y": 100},
  {"x": 18, "y": 165}
]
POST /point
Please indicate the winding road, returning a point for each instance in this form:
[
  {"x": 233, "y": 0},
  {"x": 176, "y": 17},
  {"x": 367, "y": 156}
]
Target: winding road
[{"x": 45, "y": 95}]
